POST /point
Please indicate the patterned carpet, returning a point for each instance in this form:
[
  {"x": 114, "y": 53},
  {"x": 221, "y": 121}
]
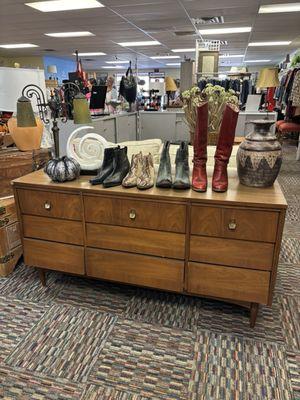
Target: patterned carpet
[{"x": 89, "y": 340}]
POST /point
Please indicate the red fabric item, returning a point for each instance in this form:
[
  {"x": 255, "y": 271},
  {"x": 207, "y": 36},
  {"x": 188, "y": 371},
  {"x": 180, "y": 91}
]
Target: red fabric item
[
  {"x": 80, "y": 73},
  {"x": 288, "y": 127},
  {"x": 224, "y": 149},
  {"x": 199, "y": 178},
  {"x": 278, "y": 123},
  {"x": 270, "y": 99}
]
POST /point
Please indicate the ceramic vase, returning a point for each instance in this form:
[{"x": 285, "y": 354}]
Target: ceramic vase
[
  {"x": 26, "y": 138},
  {"x": 259, "y": 156}
]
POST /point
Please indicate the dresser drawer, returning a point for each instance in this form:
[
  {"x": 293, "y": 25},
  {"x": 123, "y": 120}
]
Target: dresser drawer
[
  {"x": 134, "y": 213},
  {"x": 234, "y": 223},
  {"x": 50, "y": 204},
  {"x": 156, "y": 243},
  {"x": 56, "y": 230},
  {"x": 55, "y": 256},
  {"x": 236, "y": 253},
  {"x": 228, "y": 283},
  {"x": 135, "y": 269}
]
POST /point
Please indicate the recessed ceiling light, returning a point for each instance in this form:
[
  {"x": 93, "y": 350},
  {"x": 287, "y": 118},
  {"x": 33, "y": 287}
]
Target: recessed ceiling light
[
  {"x": 164, "y": 57},
  {"x": 218, "y": 31},
  {"x": 18, "y": 46},
  {"x": 63, "y": 5},
  {"x": 173, "y": 64},
  {"x": 256, "y": 61},
  {"x": 231, "y": 56},
  {"x": 99, "y": 53},
  {"x": 283, "y": 43},
  {"x": 69, "y": 34},
  {"x": 142, "y": 43},
  {"x": 113, "y": 67},
  {"x": 117, "y": 62},
  {"x": 184, "y": 50},
  {"x": 279, "y": 8}
]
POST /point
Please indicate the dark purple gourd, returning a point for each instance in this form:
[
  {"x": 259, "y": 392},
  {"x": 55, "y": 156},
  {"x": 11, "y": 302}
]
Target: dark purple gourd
[{"x": 62, "y": 169}]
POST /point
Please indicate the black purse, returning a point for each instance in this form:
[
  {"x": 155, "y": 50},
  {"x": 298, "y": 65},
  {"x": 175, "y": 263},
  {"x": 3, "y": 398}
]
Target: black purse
[{"x": 128, "y": 86}]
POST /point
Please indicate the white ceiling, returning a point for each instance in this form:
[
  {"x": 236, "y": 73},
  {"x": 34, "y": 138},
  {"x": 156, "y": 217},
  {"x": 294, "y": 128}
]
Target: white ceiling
[{"x": 133, "y": 20}]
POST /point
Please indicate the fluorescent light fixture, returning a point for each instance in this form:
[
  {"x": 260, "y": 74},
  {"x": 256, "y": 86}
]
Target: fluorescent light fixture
[
  {"x": 69, "y": 34},
  {"x": 64, "y": 5},
  {"x": 164, "y": 57},
  {"x": 279, "y": 8},
  {"x": 220, "y": 31},
  {"x": 283, "y": 43},
  {"x": 113, "y": 67},
  {"x": 184, "y": 50},
  {"x": 18, "y": 46},
  {"x": 256, "y": 61},
  {"x": 231, "y": 56},
  {"x": 99, "y": 53},
  {"x": 142, "y": 43},
  {"x": 173, "y": 64},
  {"x": 117, "y": 62}
]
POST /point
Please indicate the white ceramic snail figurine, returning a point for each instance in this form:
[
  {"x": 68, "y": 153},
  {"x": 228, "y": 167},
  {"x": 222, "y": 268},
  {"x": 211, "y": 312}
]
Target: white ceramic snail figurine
[{"x": 87, "y": 150}]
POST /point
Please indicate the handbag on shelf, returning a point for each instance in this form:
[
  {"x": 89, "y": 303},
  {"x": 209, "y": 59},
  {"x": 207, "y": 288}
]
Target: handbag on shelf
[{"x": 128, "y": 86}]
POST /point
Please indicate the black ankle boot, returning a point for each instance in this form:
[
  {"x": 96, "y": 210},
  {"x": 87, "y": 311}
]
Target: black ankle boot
[
  {"x": 106, "y": 168},
  {"x": 182, "y": 174},
  {"x": 121, "y": 168},
  {"x": 164, "y": 176}
]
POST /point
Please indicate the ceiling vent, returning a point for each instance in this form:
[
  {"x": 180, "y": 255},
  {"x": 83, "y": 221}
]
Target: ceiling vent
[
  {"x": 185, "y": 33},
  {"x": 49, "y": 50},
  {"x": 208, "y": 20},
  {"x": 89, "y": 59}
]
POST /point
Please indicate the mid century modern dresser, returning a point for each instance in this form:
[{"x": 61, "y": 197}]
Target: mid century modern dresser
[{"x": 220, "y": 245}]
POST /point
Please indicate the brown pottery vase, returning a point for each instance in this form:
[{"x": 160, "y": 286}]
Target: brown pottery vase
[{"x": 259, "y": 156}]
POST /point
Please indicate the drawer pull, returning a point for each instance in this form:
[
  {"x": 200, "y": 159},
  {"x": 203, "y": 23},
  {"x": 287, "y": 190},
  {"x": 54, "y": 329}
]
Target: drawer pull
[
  {"x": 132, "y": 214},
  {"x": 47, "y": 205},
  {"x": 232, "y": 225}
]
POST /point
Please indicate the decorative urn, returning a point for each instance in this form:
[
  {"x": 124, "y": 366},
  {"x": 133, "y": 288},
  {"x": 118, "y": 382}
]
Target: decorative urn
[{"x": 259, "y": 156}]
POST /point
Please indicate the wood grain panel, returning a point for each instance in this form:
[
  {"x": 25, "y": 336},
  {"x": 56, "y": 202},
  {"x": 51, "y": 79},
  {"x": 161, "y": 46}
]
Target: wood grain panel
[
  {"x": 228, "y": 283},
  {"x": 55, "y": 256},
  {"x": 64, "y": 231},
  {"x": 148, "y": 215},
  {"x": 157, "y": 243},
  {"x": 236, "y": 253},
  {"x": 135, "y": 269},
  {"x": 206, "y": 221},
  {"x": 65, "y": 206},
  {"x": 250, "y": 224}
]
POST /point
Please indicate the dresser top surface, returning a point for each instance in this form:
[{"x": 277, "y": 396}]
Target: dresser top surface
[{"x": 237, "y": 194}]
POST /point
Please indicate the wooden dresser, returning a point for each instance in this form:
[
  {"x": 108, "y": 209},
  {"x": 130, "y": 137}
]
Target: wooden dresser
[{"x": 221, "y": 245}]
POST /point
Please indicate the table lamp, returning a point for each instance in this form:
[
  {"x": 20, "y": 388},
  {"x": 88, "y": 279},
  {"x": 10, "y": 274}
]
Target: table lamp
[
  {"x": 268, "y": 78},
  {"x": 26, "y": 129},
  {"x": 170, "y": 86},
  {"x": 51, "y": 69}
]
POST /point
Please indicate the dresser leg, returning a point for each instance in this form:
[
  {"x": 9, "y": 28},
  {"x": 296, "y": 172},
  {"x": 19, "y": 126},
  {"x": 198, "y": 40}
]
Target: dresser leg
[
  {"x": 253, "y": 314},
  {"x": 42, "y": 276}
]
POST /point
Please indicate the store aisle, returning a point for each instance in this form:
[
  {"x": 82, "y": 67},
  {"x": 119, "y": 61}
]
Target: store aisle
[{"x": 85, "y": 339}]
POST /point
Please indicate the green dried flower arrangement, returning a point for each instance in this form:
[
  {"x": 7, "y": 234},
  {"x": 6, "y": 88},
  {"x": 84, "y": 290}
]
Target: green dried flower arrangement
[{"x": 217, "y": 98}]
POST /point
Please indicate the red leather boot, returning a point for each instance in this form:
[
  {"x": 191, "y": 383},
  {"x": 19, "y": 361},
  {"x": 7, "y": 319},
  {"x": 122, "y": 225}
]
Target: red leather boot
[
  {"x": 199, "y": 179},
  {"x": 224, "y": 148}
]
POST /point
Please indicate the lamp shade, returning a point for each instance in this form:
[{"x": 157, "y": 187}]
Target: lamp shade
[
  {"x": 170, "y": 84},
  {"x": 81, "y": 110},
  {"x": 25, "y": 115},
  {"x": 51, "y": 69},
  {"x": 268, "y": 78}
]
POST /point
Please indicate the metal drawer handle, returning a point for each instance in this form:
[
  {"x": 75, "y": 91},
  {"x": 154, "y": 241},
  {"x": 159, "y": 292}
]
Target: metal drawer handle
[
  {"x": 232, "y": 225},
  {"x": 132, "y": 214},
  {"x": 4, "y": 221},
  {"x": 47, "y": 205}
]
